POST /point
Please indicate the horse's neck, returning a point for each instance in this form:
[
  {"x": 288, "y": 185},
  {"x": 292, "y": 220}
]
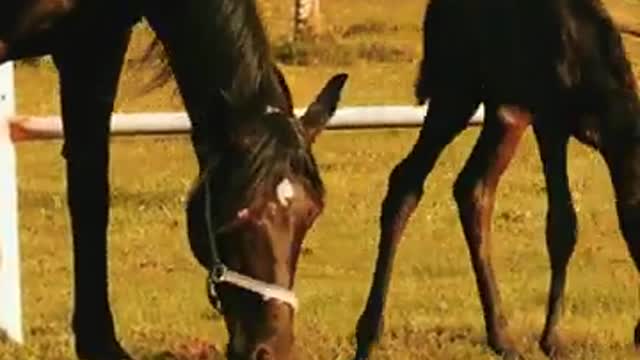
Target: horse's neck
[{"x": 215, "y": 47}]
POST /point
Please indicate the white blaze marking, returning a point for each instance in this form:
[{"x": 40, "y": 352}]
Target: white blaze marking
[
  {"x": 243, "y": 214},
  {"x": 285, "y": 191},
  {"x": 272, "y": 110}
]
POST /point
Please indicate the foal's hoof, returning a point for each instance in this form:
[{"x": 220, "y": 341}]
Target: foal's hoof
[
  {"x": 364, "y": 348},
  {"x": 368, "y": 332},
  {"x": 636, "y": 337},
  {"x": 512, "y": 355},
  {"x": 112, "y": 351},
  {"x": 553, "y": 348},
  {"x": 505, "y": 349},
  {"x": 362, "y": 353}
]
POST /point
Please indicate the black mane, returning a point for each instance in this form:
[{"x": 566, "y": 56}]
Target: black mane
[
  {"x": 273, "y": 149},
  {"x": 234, "y": 42},
  {"x": 243, "y": 37},
  {"x": 245, "y": 77}
]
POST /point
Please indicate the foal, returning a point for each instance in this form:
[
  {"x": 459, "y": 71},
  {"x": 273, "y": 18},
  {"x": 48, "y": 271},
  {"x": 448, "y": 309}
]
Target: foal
[{"x": 558, "y": 65}]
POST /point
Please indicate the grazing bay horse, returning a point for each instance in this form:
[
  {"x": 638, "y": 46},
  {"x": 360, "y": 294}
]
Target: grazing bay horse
[
  {"x": 259, "y": 189},
  {"x": 557, "y": 65}
]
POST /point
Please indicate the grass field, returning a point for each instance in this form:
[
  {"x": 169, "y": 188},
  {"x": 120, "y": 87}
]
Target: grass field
[{"x": 433, "y": 312}]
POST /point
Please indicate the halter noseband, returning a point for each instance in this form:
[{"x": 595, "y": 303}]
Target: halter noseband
[{"x": 220, "y": 273}]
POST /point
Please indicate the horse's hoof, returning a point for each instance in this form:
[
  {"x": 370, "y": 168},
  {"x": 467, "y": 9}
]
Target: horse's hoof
[
  {"x": 368, "y": 333},
  {"x": 505, "y": 348},
  {"x": 553, "y": 347},
  {"x": 361, "y": 354},
  {"x": 111, "y": 351},
  {"x": 363, "y": 350},
  {"x": 636, "y": 337},
  {"x": 512, "y": 354}
]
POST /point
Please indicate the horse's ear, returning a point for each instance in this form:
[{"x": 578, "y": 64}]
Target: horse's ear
[{"x": 323, "y": 107}]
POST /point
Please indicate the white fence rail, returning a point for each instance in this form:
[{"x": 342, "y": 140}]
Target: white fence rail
[
  {"x": 386, "y": 116},
  {"x": 24, "y": 128}
]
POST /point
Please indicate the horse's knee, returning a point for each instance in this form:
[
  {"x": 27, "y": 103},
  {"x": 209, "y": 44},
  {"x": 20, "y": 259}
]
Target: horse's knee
[
  {"x": 469, "y": 195},
  {"x": 406, "y": 177},
  {"x": 473, "y": 202},
  {"x": 404, "y": 190},
  {"x": 561, "y": 233},
  {"x": 196, "y": 228}
]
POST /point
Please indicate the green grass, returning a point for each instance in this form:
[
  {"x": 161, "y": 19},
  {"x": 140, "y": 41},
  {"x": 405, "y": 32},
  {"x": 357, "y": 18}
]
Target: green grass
[{"x": 157, "y": 290}]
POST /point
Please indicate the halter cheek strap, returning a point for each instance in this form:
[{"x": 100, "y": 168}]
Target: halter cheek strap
[{"x": 221, "y": 274}]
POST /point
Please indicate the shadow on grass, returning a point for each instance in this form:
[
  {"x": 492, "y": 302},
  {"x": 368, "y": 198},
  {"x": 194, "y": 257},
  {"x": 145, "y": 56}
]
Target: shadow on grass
[
  {"x": 195, "y": 350},
  {"x": 168, "y": 355}
]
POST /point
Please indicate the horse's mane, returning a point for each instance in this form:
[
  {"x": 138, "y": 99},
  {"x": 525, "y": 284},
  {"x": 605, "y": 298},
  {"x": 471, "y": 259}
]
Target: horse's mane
[
  {"x": 250, "y": 81},
  {"x": 232, "y": 37}
]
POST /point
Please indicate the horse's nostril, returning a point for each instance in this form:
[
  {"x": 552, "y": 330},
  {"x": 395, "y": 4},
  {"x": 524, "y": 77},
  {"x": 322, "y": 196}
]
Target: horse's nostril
[{"x": 263, "y": 353}]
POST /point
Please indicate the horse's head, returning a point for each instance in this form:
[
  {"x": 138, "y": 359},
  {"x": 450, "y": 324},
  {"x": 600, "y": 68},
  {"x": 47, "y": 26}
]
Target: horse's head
[{"x": 248, "y": 217}]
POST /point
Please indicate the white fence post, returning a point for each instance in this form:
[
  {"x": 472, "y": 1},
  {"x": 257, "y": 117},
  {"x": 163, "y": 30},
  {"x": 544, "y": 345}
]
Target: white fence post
[
  {"x": 306, "y": 18},
  {"x": 10, "y": 297}
]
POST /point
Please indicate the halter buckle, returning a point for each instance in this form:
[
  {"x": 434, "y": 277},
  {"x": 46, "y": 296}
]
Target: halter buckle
[{"x": 216, "y": 276}]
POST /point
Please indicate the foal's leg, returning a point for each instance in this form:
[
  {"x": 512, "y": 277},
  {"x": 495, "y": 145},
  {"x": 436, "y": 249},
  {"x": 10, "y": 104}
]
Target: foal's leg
[
  {"x": 447, "y": 117},
  {"x": 474, "y": 192},
  {"x": 89, "y": 72},
  {"x": 560, "y": 227},
  {"x": 624, "y": 166}
]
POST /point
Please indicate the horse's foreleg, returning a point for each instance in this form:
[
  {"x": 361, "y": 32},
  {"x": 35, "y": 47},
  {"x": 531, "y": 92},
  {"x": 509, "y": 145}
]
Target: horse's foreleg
[
  {"x": 560, "y": 227},
  {"x": 89, "y": 72},
  {"x": 474, "y": 192},
  {"x": 445, "y": 119}
]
